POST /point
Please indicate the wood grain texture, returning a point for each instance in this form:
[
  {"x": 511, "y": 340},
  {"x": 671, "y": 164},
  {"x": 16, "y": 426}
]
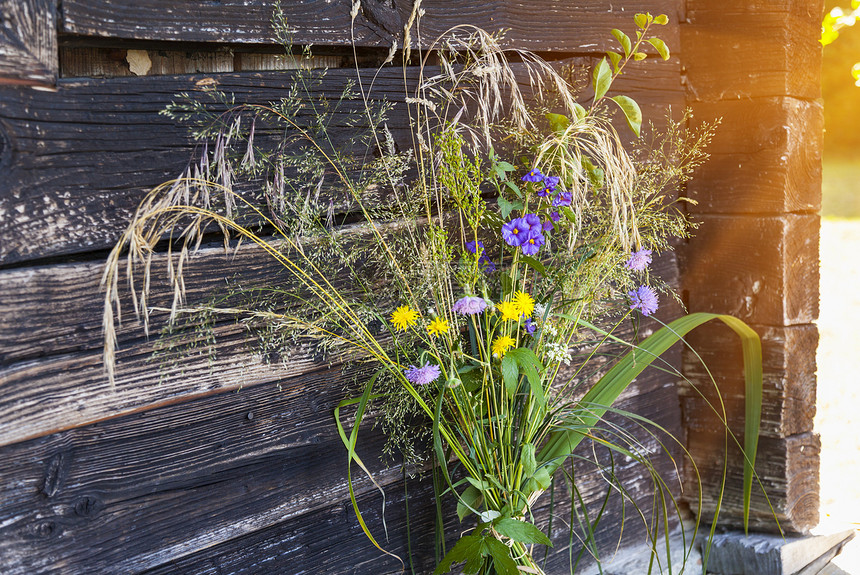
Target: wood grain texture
[
  {"x": 28, "y": 42},
  {"x": 166, "y": 488},
  {"x": 738, "y": 50},
  {"x": 763, "y": 270},
  {"x": 789, "y": 378},
  {"x": 78, "y": 162},
  {"x": 787, "y": 468},
  {"x": 579, "y": 27}
]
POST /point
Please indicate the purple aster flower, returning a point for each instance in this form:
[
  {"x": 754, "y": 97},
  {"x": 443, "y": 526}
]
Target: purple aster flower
[
  {"x": 562, "y": 199},
  {"x": 533, "y": 176},
  {"x": 555, "y": 216},
  {"x": 639, "y": 261},
  {"x": 469, "y": 305},
  {"x": 473, "y": 248},
  {"x": 535, "y": 240},
  {"x": 529, "y": 326},
  {"x": 423, "y": 375},
  {"x": 644, "y": 299}
]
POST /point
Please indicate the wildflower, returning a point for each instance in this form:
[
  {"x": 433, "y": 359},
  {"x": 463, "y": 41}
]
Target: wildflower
[
  {"x": 558, "y": 352},
  {"x": 475, "y": 246},
  {"x": 404, "y": 317},
  {"x": 438, "y": 326},
  {"x": 502, "y": 344},
  {"x": 562, "y": 199},
  {"x": 423, "y": 375},
  {"x": 509, "y": 310},
  {"x": 639, "y": 260},
  {"x": 540, "y": 310},
  {"x": 547, "y": 226},
  {"x": 523, "y": 303},
  {"x": 644, "y": 299},
  {"x": 555, "y": 216},
  {"x": 529, "y": 326},
  {"x": 515, "y": 232},
  {"x": 533, "y": 176},
  {"x": 550, "y": 183},
  {"x": 535, "y": 240},
  {"x": 469, "y": 305}
]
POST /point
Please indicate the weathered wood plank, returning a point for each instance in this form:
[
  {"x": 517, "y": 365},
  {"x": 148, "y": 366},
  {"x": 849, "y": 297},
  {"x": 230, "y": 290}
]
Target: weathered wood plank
[
  {"x": 144, "y": 490},
  {"x": 28, "y": 42},
  {"x": 789, "y": 378},
  {"x": 787, "y": 468},
  {"x": 763, "y": 270},
  {"x": 78, "y": 162},
  {"x": 545, "y": 25},
  {"x": 738, "y": 50},
  {"x": 765, "y": 157}
]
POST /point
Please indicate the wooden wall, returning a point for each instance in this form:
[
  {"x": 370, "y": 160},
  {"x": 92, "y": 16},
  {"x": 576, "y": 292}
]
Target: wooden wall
[{"x": 235, "y": 466}]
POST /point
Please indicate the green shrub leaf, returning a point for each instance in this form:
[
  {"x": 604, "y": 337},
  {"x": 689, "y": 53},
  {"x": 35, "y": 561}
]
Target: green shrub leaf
[
  {"x": 602, "y": 79},
  {"x": 623, "y": 39},
  {"x": 510, "y": 373},
  {"x": 631, "y": 112},
  {"x": 660, "y": 46},
  {"x": 522, "y": 531}
]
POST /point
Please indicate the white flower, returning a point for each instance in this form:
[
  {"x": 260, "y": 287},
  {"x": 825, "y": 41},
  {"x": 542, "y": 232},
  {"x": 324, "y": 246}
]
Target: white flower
[{"x": 558, "y": 352}]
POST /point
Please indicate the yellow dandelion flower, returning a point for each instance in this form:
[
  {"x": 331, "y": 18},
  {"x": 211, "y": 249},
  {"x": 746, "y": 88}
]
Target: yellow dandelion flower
[
  {"x": 524, "y": 303},
  {"x": 438, "y": 326},
  {"x": 502, "y": 344},
  {"x": 404, "y": 317},
  {"x": 509, "y": 310}
]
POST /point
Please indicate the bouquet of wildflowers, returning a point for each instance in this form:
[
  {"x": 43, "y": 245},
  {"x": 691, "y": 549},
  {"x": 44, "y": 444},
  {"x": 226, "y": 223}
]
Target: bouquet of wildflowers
[{"x": 467, "y": 269}]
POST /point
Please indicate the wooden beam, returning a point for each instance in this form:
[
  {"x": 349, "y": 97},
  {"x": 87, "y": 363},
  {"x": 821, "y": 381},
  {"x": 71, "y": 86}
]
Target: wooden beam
[
  {"x": 582, "y": 27},
  {"x": 78, "y": 162},
  {"x": 28, "y": 42}
]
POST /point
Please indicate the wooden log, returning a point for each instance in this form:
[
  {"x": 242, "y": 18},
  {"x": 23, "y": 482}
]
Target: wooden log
[
  {"x": 583, "y": 27},
  {"x": 145, "y": 490},
  {"x": 28, "y": 42},
  {"x": 74, "y": 177},
  {"x": 789, "y": 378},
  {"x": 738, "y": 50},
  {"x": 788, "y": 471},
  {"x": 763, "y": 270}
]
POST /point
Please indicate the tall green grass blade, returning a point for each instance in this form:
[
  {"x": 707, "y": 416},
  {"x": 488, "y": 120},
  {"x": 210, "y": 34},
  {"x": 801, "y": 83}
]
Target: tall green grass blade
[{"x": 616, "y": 380}]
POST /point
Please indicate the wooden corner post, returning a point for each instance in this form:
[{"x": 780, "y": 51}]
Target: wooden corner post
[{"x": 756, "y": 65}]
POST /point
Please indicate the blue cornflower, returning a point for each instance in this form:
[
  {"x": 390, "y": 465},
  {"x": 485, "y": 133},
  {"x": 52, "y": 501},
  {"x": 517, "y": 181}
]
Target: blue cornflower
[
  {"x": 639, "y": 260},
  {"x": 423, "y": 375},
  {"x": 644, "y": 298}
]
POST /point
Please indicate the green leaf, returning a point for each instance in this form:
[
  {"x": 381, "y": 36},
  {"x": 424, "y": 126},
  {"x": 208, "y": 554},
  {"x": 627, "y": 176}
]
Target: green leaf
[
  {"x": 469, "y": 501},
  {"x": 531, "y": 366},
  {"x": 477, "y": 483},
  {"x": 623, "y": 39},
  {"x": 662, "y": 20},
  {"x": 505, "y": 206},
  {"x": 542, "y": 478},
  {"x": 558, "y": 123},
  {"x": 616, "y": 59},
  {"x": 528, "y": 459},
  {"x": 515, "y": 189},
  {"x": 602, "y": 79},
  {"x": 660, "y": 46},
  {"x": 534, "y": 264},
  {"x": 506, "y": 166},
  {"x": 568, "y": 213},
  {"x": 501, "y": 553},
  {"x": 465, "y": 549},
  {"x": 639, "y": 56},
  {"x": 510, "y": 373},
  {"x": 579, "y": 111},
  {"x": 522, "y": 532},
  {"x": 631, "y": 112},
  {"x": 641, "y": 20}
]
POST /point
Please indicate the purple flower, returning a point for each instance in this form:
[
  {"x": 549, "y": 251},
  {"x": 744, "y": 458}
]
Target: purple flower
[
  {"x": 469, "y": 305},
  {"x": 531, "y": 246},
  {"x": 550, "y": 183},
  {"x": 423, "y": 375},
  {"x": 544, "y": 192},
  {"x": 531, "y": 221},
  {"x": 515, "y": 232},
  {"x": 529, "y": 326},
  {"x": 639, "y": 261},
  {"x": 533, "y": 176},
  {"x": 487, "y": 264},
  {"x": 555, "y": 216},
  {"x": 644, "y": 299},
  {"x": 473, "y": 248},
  {"x": 547, "y": 226},
  {"x": 562, "y": 199}
]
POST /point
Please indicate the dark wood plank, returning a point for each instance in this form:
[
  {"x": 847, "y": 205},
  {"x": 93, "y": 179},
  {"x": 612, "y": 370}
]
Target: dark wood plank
[
  {"x": 146, "y": 490},
  {"x": 763, "y": 270},
  {"x": 78, "y": 162},
  {"x": 545, "y": 25},
  {"x": 28, "y": 42},
  {"x": 727, "y": 57},
  {"x": 787, "y": 468},
  {"x": 789, "y": 378}
]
